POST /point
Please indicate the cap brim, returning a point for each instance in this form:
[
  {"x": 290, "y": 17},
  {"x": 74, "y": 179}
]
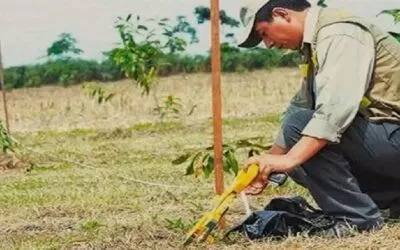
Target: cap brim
[
  {"x": 249, "y": 37},
  {"x": 252, "y": 41}
]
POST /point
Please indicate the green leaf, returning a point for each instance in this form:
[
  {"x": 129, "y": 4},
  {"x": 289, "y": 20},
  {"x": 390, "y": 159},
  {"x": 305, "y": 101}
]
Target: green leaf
[
  {"x": 142, "y": 27},
  {"x": 395, "y": 13},
  {"x": 109, "y": 97},
  {"x": 244, "y": 143},
  {"x": 190, "y": 169},
  {"x": 192, "y": 109},
  {"x": 181, "y": 159},
  {"x": 226, "y": 164},
  {"x": 395, "y": 35},
  {"x": 209, "y": 166},
  {"x": 128, "y": 17},
  {"x": 234, "y": 165},
  {"x": 247, "y": 143},
  {"x": 224, "y": 146}
]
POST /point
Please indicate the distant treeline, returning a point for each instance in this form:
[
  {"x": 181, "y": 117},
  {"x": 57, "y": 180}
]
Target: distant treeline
[
  {"x": 136, "y": 56},
  {"x": 74, "y": 71}
]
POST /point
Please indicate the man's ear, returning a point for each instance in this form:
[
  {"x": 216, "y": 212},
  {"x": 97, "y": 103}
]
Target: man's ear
[{"x": 281, "y": 13}]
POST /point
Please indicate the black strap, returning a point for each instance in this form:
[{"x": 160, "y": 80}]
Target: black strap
[{"x": 310, "y": 71}]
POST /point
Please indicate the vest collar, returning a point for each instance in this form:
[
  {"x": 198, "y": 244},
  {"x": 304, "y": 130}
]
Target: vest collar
[{"x": 310, "y": 24}]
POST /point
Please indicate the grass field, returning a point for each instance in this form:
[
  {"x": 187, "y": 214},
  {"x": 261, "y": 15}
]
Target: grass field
[{"x": 87, "y": 187}]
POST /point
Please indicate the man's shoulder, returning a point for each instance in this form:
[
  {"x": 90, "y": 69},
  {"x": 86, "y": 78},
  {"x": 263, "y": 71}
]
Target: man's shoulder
[
  {"x": 346, "y": 29},
  {"x": 342, "y": 22},
  {"x": 338, "y": 16}
]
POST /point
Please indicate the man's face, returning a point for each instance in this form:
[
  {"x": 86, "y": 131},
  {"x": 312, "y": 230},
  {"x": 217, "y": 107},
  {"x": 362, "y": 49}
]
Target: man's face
[{"x": 283, "y": 32}]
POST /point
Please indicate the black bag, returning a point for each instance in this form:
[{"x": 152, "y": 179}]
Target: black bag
[{"x": 283, "y": 217}]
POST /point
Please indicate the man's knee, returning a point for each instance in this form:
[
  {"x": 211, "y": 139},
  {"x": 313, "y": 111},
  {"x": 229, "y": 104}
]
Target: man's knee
[{"x": 293, "y": 125}]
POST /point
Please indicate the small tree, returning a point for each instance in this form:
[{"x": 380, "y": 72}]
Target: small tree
[
  {"x": 6, "y": 141},
  {"x": 97, "y": 92},
  {"x": 144, "y": 48}
]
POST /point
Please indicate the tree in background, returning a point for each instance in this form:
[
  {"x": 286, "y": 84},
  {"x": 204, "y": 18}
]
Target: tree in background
[
  {"x": 64, "y": 47},
  {"x": 175, "y": 34},
  {"x": 203, "y": 14},
  {"x": 322, "y": 3}
]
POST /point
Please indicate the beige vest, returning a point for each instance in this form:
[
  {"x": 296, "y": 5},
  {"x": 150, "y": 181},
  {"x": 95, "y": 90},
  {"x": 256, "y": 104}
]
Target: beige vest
[{"x": 382, "y": 100}]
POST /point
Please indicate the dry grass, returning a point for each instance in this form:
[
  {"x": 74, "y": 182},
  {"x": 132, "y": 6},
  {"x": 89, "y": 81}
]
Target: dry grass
[
  {"x": 90, "y": 199},
  {"x": 58, "y": 108}
]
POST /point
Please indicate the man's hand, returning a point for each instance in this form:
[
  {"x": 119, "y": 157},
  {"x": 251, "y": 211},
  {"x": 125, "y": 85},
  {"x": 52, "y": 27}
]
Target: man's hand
[
  {"x": 282, "y": 161},
  {"x": 261, "y": 180},
  {"x": 268, "y": 164}
]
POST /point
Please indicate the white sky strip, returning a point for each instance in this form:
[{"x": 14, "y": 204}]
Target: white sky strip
[{"x": 28, "y": 27}]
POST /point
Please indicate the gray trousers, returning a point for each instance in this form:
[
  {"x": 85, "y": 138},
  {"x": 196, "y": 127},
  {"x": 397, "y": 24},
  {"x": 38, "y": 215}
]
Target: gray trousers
[{"x": 351, "y": 180}]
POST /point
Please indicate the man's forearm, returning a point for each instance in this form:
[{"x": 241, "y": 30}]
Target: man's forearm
[
  {"x": 304, "y": 149},
  {"x": 276, "y": 150}
]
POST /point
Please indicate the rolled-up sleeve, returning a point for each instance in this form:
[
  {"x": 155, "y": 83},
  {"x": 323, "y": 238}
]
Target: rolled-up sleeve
[{"x": 346, "y": 56}]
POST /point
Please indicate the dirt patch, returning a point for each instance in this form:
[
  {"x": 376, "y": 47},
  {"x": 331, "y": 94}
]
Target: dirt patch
[{"x": 11, "y": 161}]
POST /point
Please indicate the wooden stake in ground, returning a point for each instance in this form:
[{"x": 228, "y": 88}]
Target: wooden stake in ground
[
  {"x": 3, "y": 91},
  {"x": 216, "y": 96}
]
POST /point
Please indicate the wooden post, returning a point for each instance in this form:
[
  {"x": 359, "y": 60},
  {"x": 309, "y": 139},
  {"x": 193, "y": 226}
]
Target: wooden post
[
  {"x": 3, "y": 91},
  {"x": 216, "y": 96}
]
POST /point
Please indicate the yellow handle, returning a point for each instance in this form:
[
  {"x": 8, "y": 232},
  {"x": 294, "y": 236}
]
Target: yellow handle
[{"x": 243, "y": 179}]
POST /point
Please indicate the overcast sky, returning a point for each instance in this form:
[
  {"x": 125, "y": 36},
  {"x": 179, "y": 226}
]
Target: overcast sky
[{"x": 27, "y": 27}]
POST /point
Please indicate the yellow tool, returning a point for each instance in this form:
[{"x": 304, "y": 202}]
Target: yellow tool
[{"x": 202, "y": 230}]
